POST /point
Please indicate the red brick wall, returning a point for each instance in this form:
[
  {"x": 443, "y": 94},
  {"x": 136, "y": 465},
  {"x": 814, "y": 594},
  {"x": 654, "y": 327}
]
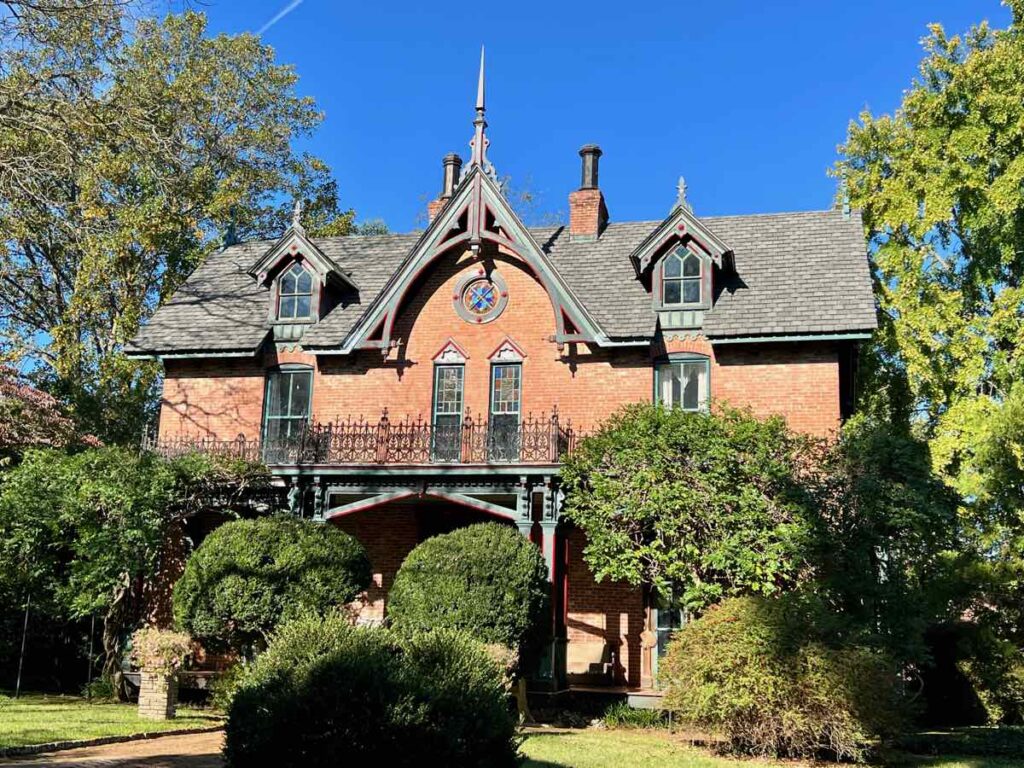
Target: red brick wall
[
  {"x": 389, "y": 533},
  {"x": 212, "y": 398},
  {"x": 603, "y": 619},
  {"x": 225, "y": 398}
]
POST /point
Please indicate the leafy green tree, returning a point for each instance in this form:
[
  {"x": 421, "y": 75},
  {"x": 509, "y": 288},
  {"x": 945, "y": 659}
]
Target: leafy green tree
[
  {"x": 85, "y": 532},
  {"x": 940, "y": 185},
  {"x": 126, "y": 148},
  {"x": 699, "y": 507},
  {"x": 885, "y": 538},
  {"x": 248, "y": 576}
]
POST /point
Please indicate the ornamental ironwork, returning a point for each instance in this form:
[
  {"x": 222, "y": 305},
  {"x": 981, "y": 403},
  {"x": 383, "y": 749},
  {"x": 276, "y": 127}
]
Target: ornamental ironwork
[{"x": 360, "y": 442}]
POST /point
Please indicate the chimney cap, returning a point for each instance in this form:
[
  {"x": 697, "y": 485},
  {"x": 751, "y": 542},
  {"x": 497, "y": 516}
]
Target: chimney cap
[
  {"x": 590, "y": 149},
  {"x": 452, "y": 157}
]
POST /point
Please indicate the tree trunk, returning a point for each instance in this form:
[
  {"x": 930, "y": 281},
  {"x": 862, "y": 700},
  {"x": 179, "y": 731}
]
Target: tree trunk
[{"x": 114, "y": 622}]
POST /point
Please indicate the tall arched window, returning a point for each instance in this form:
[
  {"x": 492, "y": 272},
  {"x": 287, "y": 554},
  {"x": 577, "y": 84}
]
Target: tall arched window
[
  {"x": 295, "y": 294},
  {"x": 681, "y": 278}
]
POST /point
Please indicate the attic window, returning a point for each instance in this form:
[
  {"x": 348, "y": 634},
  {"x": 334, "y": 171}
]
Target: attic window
[
  {"x": 681, "y": 279},
  {"x": 295, "y": 294}
]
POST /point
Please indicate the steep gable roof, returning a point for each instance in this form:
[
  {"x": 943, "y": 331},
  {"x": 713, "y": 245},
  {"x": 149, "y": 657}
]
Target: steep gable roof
[{"x": 797, "y": 274}]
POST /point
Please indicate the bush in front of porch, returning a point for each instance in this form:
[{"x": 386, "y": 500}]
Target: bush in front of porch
[
  {"x": 248, "y": 576},
  {"x": 486, "y": 579},
  {"x": 325, "y": 693}
]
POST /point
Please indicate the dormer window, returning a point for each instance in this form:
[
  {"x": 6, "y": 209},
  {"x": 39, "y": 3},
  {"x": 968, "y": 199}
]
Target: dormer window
[
  {"x": 681, "y": 279},
  {"x": 295, "y": 294}
]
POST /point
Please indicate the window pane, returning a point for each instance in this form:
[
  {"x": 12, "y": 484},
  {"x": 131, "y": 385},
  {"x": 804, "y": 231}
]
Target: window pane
[
  {"x": 672, "y": 266},
  {"x": 691, "y": 291},
  {"x": 287, "y": 309},
  {"x": 448, "y": 391},
  {"x": 691, "y": 266},
  {"x": 300, "y": 394},
  {"x": 277, "y": 398},
  {"x": 672, "y": 292},
  {"x": 505, "y": 389},
  {"x": 691, "y": 374},
  {"x": 288, "y": 283},
  {"x": 302, "y": 306},
  {"x": 305, "y": 283}
]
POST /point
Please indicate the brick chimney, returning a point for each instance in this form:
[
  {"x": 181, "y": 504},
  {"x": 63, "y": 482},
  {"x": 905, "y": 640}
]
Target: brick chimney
[
  {"x": 452, "y": 166},
  {"x": 587, "y": 212}
]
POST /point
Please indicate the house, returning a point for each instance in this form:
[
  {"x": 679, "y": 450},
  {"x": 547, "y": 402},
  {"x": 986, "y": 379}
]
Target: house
[{"x": 404, "y": 385}]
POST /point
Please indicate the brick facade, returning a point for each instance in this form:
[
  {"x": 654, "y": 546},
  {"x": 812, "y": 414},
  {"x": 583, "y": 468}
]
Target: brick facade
[{"x": 604, "y": 624}]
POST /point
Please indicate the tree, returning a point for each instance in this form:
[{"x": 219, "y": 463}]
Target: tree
[
  {"x": 697, "y": 506},
  {"x": 940, "y": 185},
  {"x": 126, "y": 148},
  {"x": 31, "y": 418},
  {"x": 248, "y": 576},
  {"x": 85, "y": 531},
  {"x": 884, "y": 543}
]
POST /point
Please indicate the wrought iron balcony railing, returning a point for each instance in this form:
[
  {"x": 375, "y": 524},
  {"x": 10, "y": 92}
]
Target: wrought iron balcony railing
[{"x": 357, "y": 441}]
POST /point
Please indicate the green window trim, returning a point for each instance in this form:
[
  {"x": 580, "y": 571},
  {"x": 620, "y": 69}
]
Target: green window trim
[
  {"x": 684, "y": 361},
  {"x": 285, "y": 411},
  {"x": 446, "y": 407},
  {"x": 683, "y": 281}
]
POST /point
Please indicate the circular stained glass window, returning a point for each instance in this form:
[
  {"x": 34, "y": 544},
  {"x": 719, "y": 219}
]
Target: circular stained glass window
[{"x": 480, "y": 297}]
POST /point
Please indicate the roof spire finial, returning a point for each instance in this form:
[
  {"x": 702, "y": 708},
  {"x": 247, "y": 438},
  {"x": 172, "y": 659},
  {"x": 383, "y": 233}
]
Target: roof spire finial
[
  {"x": 478, "y": 145},
  {"x": 681, "y": 201},
  {"x": 297, "y": 215},
  {"x": 480, "y": 84}
]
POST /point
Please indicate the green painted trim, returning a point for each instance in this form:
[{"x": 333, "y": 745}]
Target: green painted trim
[
  {"x": 683, "y": 357},
  {"x": 286, "y": 368},
  {"x": 795, "y": 337}
]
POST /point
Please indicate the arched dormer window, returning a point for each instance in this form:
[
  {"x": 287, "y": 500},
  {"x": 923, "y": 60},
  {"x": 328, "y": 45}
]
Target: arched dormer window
[
  {"x": 295, "y": 294},
  {"x": 682, "y": 279}
]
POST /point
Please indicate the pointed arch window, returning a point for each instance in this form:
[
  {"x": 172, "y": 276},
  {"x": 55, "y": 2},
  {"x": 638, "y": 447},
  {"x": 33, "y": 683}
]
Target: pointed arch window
[
  {"x": 682, "y": 279},
  {"x": 295, "y": 294}
]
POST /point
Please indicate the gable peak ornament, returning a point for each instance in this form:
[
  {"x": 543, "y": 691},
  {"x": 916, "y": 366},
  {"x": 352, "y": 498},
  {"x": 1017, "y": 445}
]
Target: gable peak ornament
[
  {"x": 479, "y": 143},
  {"x": 681, "y": 201},
  {"x": 297, "y": 215}
]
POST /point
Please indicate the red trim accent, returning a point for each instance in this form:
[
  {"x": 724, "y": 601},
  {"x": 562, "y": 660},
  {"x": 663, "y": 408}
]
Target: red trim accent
[
  {"x": 507, "y": 340},
  {"x": 453, "y": 344}
]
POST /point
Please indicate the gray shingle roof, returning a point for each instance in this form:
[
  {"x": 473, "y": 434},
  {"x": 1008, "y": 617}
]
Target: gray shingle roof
[{"x": 798, "y": 273}]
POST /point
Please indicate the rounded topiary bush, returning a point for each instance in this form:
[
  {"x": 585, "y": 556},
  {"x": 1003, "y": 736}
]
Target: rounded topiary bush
[
  {"x": 250, "y": 575},
  {"x": 325, "y": 694},
  {"x": 750, "y": 671},
  {"x": 486, "y": 579}
]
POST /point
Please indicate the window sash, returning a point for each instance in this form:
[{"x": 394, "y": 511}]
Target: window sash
[
  {"x": 294, "y": 302},
  {"x": 448, "y": 392},
  {"x": 684, "y": 384},
  {"x": 506, "y": 390},
  {"x": 288, "y": 404}
]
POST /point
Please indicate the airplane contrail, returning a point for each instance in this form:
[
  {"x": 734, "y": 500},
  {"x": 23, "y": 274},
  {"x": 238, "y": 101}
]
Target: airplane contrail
[{"x": 280, "y": 15}]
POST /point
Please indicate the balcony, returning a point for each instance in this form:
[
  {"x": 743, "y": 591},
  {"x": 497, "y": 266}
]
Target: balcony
[{"x": 359, "y": 442}]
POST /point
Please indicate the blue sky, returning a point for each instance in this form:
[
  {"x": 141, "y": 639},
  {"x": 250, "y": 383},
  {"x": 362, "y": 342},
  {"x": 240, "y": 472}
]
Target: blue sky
[{"x": 747, "y": 99}]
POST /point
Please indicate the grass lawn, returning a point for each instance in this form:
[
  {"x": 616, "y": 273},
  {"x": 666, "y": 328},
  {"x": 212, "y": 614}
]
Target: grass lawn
[
  {"x": 36, "y": 719},
  {"x": 635, "y": 748}
]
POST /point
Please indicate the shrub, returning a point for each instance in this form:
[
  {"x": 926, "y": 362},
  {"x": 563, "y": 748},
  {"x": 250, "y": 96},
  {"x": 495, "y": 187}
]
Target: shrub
[
  {"x": 224, "y": 686},
  {"x": 486, "y": 579},
  {"x": 325, "y": 693},
  {"x": 250, "y": 575},
  {"x": 160, "y": 650},
  {"x": 751, "y": 671}
]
